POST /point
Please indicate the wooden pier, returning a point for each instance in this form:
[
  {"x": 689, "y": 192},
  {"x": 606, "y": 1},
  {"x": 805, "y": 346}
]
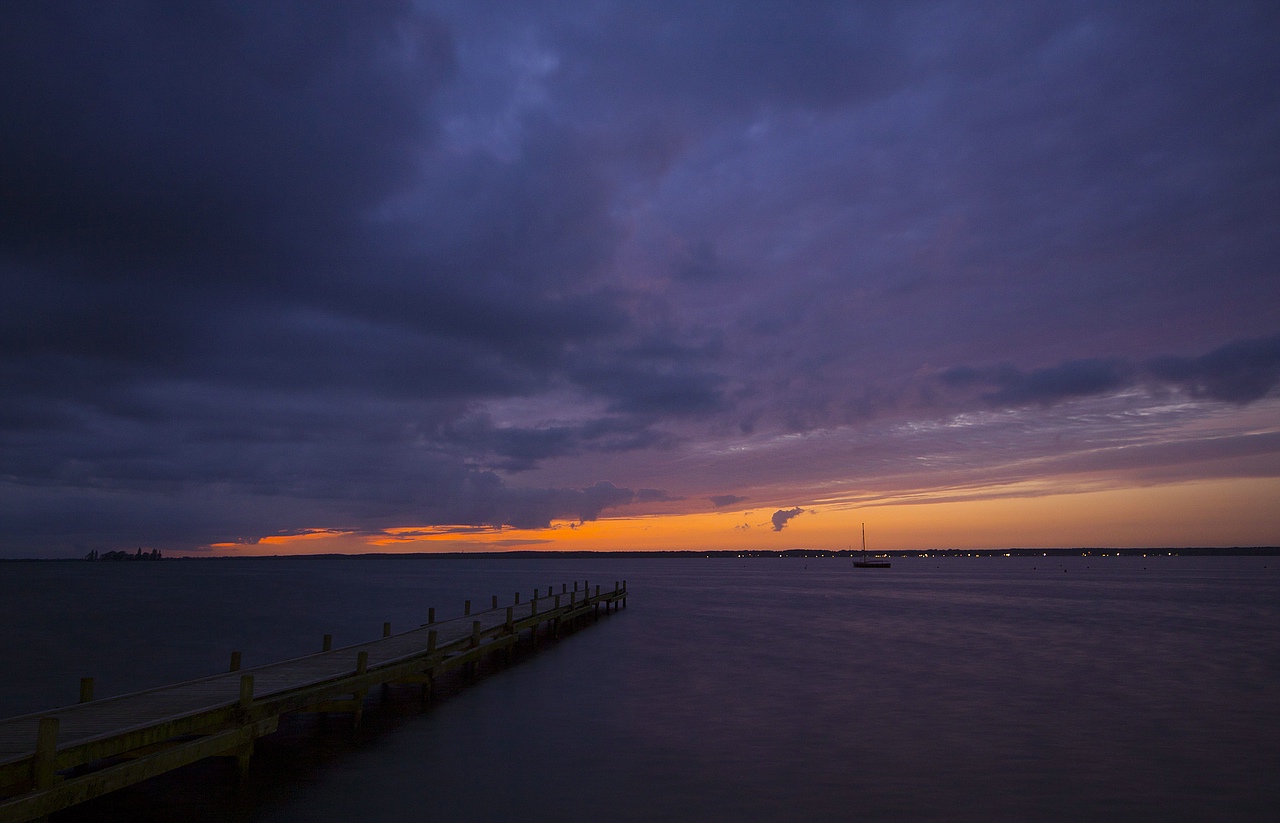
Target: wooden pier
[{"x": 55, "y": 759}]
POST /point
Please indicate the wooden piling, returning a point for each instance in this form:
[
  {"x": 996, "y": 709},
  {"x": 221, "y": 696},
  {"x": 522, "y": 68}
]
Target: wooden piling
[
  {"x": 495, "y": 601},
  {"x": 244, "y": 753},
  {"x": 475, "y": 644},
  {"x": 235, "y": 662},
  {"x": 327, "y": 643},
  {"x": 431, "y": 615},
  {"x": 243, "y": 756},
  {"x": 86, "y": 689},
  {"x": 357, "y": 699},
  {"x": 428, "y": 689},
  {"x": 466, "y": 608},
  {"x": 386, "y": 629},
  {"x": 42, "y": 765}
]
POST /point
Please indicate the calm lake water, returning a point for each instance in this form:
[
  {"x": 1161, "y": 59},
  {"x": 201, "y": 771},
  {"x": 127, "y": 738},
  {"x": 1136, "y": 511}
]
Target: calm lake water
[{"x": 762, "y": 689}]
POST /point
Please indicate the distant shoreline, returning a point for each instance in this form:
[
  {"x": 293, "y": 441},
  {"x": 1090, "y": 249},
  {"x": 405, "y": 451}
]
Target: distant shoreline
[{"x": 1202, "y": 551}]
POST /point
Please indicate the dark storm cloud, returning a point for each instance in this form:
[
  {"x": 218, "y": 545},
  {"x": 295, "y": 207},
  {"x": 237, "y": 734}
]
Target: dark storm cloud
[
  {"x": 139, "y": 135},
  {"x": 1238, "y": 372},
  {"x": 280, "y": 266},
  {"x": 782, "y": 516},
  {"x": 1079, "y": 378},
  {"x": 521, "y": 448},
  {"x": 89, "y": 518},
  {"x": 654, "y": 496},
  {"x": 722, "y": 500},
  {"x": 654, "y": 391},
  {"x": 219, "y": 246},
  {"x": 712, "y": 58}
]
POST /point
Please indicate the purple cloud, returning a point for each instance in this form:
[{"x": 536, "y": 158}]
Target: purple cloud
[{"x": 782, "y": 516}]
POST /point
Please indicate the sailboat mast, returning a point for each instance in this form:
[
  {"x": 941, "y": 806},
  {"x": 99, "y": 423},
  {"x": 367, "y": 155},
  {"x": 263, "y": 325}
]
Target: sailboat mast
[{"x": 864, "y": 538}]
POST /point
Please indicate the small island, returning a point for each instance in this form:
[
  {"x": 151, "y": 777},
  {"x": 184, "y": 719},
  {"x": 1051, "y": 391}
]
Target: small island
[{"x": 154, "y": 554}]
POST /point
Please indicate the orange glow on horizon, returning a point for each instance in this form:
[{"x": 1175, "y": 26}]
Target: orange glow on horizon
[{"x": 1235, "y": 512}]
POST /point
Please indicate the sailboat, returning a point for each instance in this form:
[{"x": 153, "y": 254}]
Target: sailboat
[{"x": 863, "y": 562}]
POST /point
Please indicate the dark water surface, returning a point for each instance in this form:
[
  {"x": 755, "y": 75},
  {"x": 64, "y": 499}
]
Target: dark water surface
[{"x": 763, "y": 689}]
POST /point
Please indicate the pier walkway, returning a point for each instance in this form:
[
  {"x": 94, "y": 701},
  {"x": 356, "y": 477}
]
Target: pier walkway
[{"x": 54, "y": 759}]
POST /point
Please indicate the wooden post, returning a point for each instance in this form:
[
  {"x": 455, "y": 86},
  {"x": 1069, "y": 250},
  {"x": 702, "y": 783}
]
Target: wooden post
[
  {"x": 235, "y": 662},
  {"x": 245, "y": 752},
  {"x": 42, "y": 765},
  {"x": 475, "y": 641},
  {"x": 357, "y": 699},
  {"x": 511, "y": 621},
  {"x": 533, "y": 606},
  {"x": 86, "y": 689},
  {"x": 575, "y": 585},
  {"x": 431, "y": 615},
  {"x": 564, "y": 588},
  {"x": 431, "y": 640},
  {"x": 517, "y": 598},
  {"x": 386, "y": 687},
  {"x": 327, "y": 643},
  {"x": 427, "y": 689},
  {"x": 557, "y": 601},
  {"x": 466, "y": 608},
  {"x": 246, "y": 691},
  {"x": 243, "y": 756},
  {"x": 495, "y": 601}
]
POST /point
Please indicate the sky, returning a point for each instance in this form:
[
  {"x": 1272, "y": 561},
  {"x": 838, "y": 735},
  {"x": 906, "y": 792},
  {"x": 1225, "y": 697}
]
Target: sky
[{"x": 390, "y": 276}]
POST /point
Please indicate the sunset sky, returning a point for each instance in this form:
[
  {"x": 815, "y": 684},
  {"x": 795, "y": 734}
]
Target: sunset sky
[{"x": 313, "y": 277}]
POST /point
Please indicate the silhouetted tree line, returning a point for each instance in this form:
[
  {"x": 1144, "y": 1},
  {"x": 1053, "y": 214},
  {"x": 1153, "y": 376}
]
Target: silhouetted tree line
[{"x": 154, "y": 554}]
